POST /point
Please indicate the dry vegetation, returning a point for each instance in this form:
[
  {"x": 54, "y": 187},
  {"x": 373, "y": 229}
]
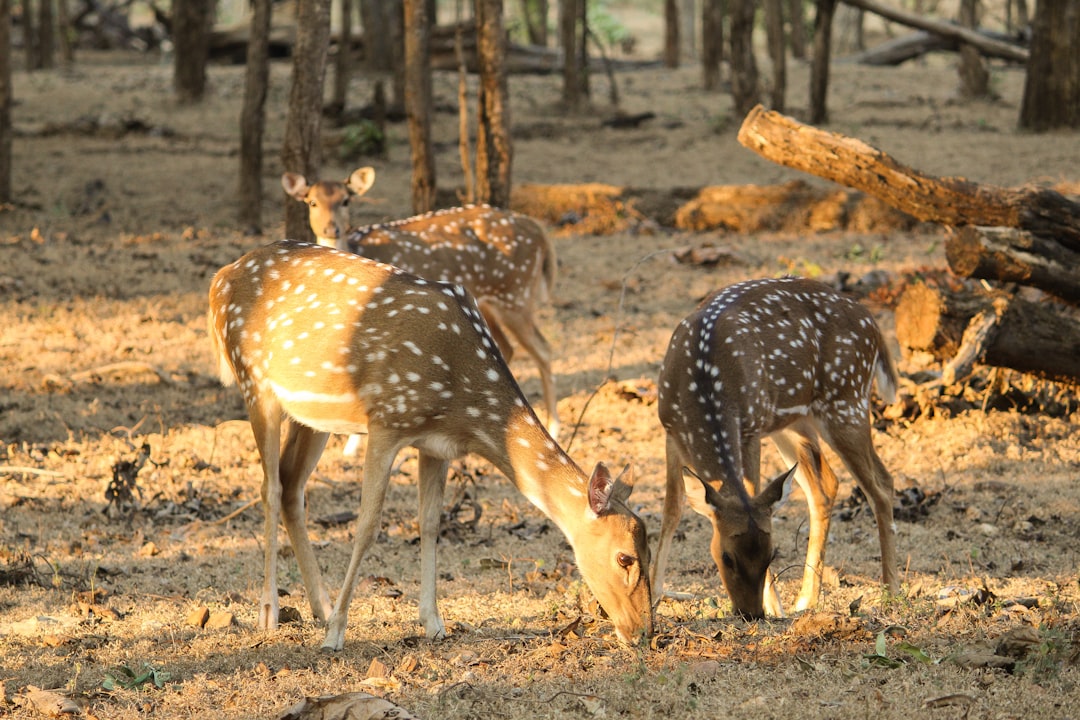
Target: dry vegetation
[{"x": 123, "y": 213}]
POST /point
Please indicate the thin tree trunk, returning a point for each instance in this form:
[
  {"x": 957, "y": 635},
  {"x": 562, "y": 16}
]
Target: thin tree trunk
[
  {"x": 774, "y": 33},
  {"x": 535, "y": 13},
  {"x": 464, "y": 149},
  {"x": 253, "y": 118},
  {"x": 797, "y": 19},
  {"x": 343, "y": 61},
  {"x": 46, "y": 35},
  {"x": 744, "y": 73},
  {"x": 819, "y": 69},
  {"x": 6, "y": 133},
  {"x": 192, "y": 21},
  {"x": 301, "y": 150},
  {"x": 493, "y": 149},
  {"x": 63, "y": 17},
  {"x": 30, "y": 37},
  {"x": 378, "y": 57},
  {"x": 418, "y": 103},
  {"x": 671, "y": 33},
  {"x": 974, "y": 77},
  {"x": 712, "y": 43},
  {"x": 568, "y": 40}
]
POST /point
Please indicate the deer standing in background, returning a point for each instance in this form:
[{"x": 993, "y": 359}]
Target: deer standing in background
[
  {"x": 792, "y": 359},
  {"x": 502, "y": 258},
  {"x": 335, "y": 343}
]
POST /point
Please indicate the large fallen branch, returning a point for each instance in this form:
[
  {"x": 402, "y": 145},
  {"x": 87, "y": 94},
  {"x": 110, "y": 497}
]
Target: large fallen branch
[
  {"x": 986, "y": 45},
  {"x": 1011, "y": 255},
  {"x": 950, "y": 201}
]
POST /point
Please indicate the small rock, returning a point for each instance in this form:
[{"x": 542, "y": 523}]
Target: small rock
[
  {"x": 198, "y": 616},
  {"x": 220, "y": 619},
  {"x": 989, "y": 530},
  {"x": 148, "y": 549},
  {"x": 288, "y": 614}
]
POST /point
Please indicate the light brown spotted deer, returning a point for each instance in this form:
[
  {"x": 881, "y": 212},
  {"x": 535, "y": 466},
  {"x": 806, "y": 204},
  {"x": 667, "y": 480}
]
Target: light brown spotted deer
[
  {"x": 331, "y": 342},
  {"x": 792, "y": 359},
  {"x": 503, "y": 259}
]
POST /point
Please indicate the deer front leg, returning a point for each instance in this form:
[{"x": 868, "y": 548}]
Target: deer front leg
[
  {"x": 674, "y": 497},
  {"x": 378, "y": 462},
  {"x": 302, "y": 450},
  {"x": 799, "y": 445},
  {"x": 432, "y": 482}
]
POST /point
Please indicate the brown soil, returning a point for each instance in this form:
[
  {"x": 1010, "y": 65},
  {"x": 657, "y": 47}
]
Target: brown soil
[{"x": 125, "y": 209}]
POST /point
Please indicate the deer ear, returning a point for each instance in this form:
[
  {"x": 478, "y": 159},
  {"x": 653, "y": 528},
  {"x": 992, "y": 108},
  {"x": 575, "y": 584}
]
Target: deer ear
[
  {"x": 295, "y": 185},
  {"x": 778, "y": 490},
  {"x": 603, "y": 489},
  {"x": 361, "y": 180},
  {"x": 703, "y": 497}
]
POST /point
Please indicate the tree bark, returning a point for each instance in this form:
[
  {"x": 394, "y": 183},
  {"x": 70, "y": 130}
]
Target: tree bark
[
  {"x": 46, "y": 35},
  {"x": 712, "y": 43},
  {"x": 63, "y": 19},
  {"x": 253, "y": 118},
  {"x": 974, "y": 77},
  {"x": 774, "y": 33},
  {"x": 1029, "y": 337},
  {"x": 6, "y": 93},
  {"x": 535, "y": 13},
  {"x": 569, "y": 13},
  {"x": 343, "y": 59},
  {"x": 192, "y": 22},
  {"x": 744, "y": 74},
  {"x": 1010, "y": 255},
  {"x": 418, "y": 104},
  {"x": 493, "y": 148},
  {"x": 1052, "y": 86},
  {"x": 301, "y": 149},
  {"x": 797, "y": 19},
  {"x": 948, "y": 201},
  {"x": 819, "y": 67}
]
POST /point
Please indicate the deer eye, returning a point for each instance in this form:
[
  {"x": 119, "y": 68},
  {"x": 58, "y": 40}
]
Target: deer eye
[
  {"x": 624, "y": 560},
  {"x": 729, "y": 562}
]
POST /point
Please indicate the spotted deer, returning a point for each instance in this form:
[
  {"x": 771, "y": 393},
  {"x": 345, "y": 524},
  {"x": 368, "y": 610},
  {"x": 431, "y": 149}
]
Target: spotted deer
[
  {"x": 787, "y": 358},
  {"x": 502, "y": 258},
  {"x": 331, "y": 342}
]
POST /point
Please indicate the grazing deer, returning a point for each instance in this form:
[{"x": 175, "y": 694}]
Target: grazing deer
[
  {"x": 336, "y": 343},
  {"x": 502, "y": 258},
  {"x": 792, "y": 359}
]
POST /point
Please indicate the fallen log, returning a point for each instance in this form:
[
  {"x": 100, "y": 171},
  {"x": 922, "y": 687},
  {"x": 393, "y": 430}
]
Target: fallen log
[
  {"x": 911, "y": 46},
  {"x": 950, "y": 201},
  {"x": 986, "y": 45},
  {"x": 1005, "y": 331},
  {"x": 1011, "y": 255}
]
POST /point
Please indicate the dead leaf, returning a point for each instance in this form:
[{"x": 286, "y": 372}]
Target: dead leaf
[
  {"x": 348, "y": 706},
  {"x": 974, "y": 659},
  {"x": 1017, "y": 642},
  {"x": 948, "y": 700},
  {"x": 48, "y": 702}
]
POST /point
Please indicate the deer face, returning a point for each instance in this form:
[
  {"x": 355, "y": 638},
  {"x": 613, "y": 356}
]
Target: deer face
[
  {"x": 613, "y": 556},
  {"x": 742, "y": 545}
]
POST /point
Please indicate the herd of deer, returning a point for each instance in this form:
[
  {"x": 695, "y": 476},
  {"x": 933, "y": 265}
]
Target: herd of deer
[{"x": 399, "y": 331}]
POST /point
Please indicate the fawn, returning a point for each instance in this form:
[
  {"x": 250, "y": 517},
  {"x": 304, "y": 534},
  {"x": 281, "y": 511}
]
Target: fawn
[
  {"x": 335, "y": 343},
  {"x": 792, "y": 359},
  {"x": 502, "y": 258}
]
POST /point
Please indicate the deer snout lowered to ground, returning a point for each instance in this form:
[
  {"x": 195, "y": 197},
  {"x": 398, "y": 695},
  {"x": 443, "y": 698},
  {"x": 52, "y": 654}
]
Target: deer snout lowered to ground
[
  {"x": 503, "y": 258},
  {"x": 787, "y": 358},
  {"x": 331, "y": 342}
]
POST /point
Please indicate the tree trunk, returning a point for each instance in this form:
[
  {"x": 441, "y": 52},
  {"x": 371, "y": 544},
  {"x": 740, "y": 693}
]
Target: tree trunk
[
  {"x": 1011, "y": 255},
  {"x": 253, "y": 118},
  {"x": 744, "y": 74},
  {"x": 1029, "y": 337},
  {"x": 343, "y": 60},
  {"x": 192, "y": 22},
  {"x": 974, "y": 77},
  {"x": 6, "y": 133},
  {"x": 535, "y": 13},
  {"x": 671, "y": 33},
  {"x": 378, "y": 55},
  {"x": 494, "y": 152},
  {"x": 46, "y": 35},
  {"x": 418, "y": 104},
  {"x": 569, "y": 12},
  {"x": 1052, "y": 85},
  {"x": 30, "y": 36},
  {"x": 774, "y": 33},
  {"x": 63, "y": 18},
  {"x": 301, "y": 150},
  {"x": 819, "y": 68},
  {"x": 944, "y": 200},
  {"x": 797, "y": 19},
  {"x": 712, "y": 43}
]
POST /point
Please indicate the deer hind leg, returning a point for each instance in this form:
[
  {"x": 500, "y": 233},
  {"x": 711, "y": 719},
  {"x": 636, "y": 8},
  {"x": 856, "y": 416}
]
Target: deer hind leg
[
  {"x": 855, "y": 447},
  {"x": 433, "y": 472},
  {"x": 266, "y": 427},
  {"x": 381, "y": 450},
  {"x": 799, "y": 444},
  {"x": 674, "y": 498},
  {"x": 303, "y": 447},
  {"x": 520, "y": 323},
  {"x": 491, "y": 317}
]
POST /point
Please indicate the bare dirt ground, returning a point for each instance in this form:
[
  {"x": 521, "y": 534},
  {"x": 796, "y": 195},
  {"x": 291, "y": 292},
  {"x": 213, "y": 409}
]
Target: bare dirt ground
[{"x": 121, "y": 219}]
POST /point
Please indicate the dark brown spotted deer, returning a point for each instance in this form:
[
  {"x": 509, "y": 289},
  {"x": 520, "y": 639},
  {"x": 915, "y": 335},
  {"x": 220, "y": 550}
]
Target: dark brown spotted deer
[
  {"x": 331, "y": 342},
  {"x": 503, "y": 259},
  {"x": 794, "y": 360}
]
